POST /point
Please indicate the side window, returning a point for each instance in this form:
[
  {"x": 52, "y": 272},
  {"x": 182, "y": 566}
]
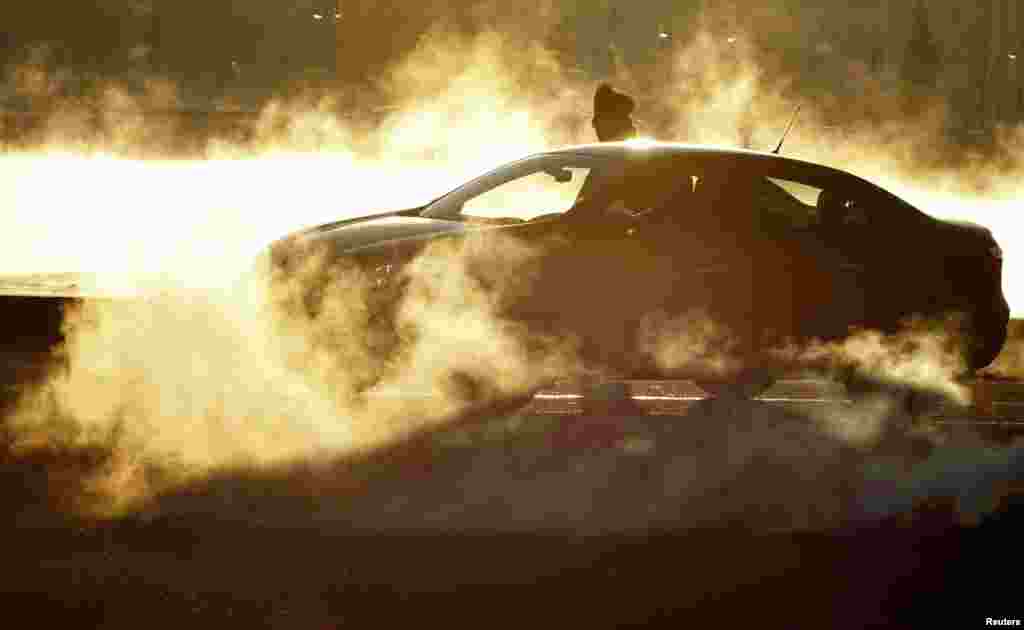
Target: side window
[
  {"x": 787, "y": 203},
  {"x": 552, "y": 190},
  {"x": 804, "y": 193}
]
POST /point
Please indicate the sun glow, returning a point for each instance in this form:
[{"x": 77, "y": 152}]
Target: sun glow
[{"x": 641, "y": 143}]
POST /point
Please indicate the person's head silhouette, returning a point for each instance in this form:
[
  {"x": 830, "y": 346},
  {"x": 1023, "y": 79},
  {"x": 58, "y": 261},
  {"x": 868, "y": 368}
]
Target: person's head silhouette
[{"x": 613, "y": 115}]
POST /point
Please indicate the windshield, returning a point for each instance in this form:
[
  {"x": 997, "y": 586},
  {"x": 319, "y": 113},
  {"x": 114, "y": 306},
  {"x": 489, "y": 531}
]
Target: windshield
[{"x": 523, "y": 190}]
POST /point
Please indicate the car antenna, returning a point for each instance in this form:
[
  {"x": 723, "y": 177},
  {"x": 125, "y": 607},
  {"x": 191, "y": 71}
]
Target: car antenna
[{"x": 792, "y": 119}]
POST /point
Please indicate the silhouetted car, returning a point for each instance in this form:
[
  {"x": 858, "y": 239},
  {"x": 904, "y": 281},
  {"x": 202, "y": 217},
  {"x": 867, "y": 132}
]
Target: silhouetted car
[{"x": 661, "y": 258}]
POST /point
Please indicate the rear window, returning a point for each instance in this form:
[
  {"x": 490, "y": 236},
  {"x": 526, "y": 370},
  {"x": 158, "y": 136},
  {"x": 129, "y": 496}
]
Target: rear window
[
  {"x": 787, "y": 203},
  {"x": 804, "y": 193}
]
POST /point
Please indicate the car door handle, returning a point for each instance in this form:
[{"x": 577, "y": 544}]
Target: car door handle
[{"x": 851, "y": 267}]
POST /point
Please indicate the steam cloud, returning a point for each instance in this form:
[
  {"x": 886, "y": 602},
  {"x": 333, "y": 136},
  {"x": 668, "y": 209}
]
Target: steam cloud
[{"x": 240, "y": 375}]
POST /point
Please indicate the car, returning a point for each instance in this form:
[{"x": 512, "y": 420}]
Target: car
[{"x": 643, "y": 243}]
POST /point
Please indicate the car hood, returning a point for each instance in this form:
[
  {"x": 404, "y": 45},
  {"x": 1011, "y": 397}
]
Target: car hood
[{"x": 356, "y": 234}]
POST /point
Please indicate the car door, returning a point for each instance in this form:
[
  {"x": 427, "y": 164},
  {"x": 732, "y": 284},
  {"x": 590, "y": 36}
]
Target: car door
[
  {"x": 515, "y": 219},
  {"x": 659, "y": 252},
  {"x": 874, "y": 232},
  {"x": 870, "y": 235},
  {"x": 806, "y": 286},
  {"x": 746, "y": 251},
  {"x": 587, "y": 281},
  {"x": 617, "y": 253}
]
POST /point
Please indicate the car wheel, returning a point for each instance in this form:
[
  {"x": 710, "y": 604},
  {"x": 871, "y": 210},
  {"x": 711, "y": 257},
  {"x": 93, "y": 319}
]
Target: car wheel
[{"x": 747, "y": 385}]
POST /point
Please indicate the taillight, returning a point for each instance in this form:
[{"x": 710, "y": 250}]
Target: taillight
[{"x": 995, "y": 258}]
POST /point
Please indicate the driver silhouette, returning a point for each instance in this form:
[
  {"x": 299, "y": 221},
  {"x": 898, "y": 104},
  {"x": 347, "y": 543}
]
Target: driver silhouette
[
  {"x": 613, "y": 112},
  {"x": 612, "y": 122}
]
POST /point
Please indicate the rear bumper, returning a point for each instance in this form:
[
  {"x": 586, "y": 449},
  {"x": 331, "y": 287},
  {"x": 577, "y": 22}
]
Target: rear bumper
[{"x": 989, "y": 332}]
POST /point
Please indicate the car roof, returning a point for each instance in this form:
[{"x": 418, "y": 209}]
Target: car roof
[
  {"x": 623, "y": 150},
  {"x": 612, "y": 150}
]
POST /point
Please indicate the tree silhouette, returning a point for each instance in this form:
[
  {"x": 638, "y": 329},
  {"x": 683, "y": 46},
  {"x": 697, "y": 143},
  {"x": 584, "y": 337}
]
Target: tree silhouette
[
  {"x": 84, "y": 35},
  {"x": 921, "y": 67}
]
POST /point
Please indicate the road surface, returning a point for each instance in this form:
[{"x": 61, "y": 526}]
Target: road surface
[{"x": 1006, "y": 399}]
